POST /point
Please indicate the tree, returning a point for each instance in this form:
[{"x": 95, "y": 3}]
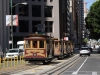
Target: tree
[
  {"x": 85, "y": 40},
  {"x": 93, "y": 20}
]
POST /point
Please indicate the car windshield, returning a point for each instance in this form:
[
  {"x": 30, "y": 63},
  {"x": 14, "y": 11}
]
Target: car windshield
[
  {"x": 84, "y": 48},
  {"x": 12, "y": 51}
]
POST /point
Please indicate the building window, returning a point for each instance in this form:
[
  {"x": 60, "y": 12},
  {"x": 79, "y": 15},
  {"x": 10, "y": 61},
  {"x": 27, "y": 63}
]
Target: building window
[
  {"x": 34, "y": 25},
  {"x": 23, "y": 10},
  {"x": 23, "y": 26},
  {"x": 14, "y": 28},
  {"x": 45, "y": 0},
  {"x": 39, "y": 0},
  {"x": 13, "y": 10},
  {"x": 48, "y": 11},
  {"x": 48, "y": 26},
  {"x": 36, "y": 10},
  {"x": 51, "y": 0}
]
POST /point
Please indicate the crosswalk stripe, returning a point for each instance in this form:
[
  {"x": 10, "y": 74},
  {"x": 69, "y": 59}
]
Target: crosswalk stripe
[{"x": 94, "y": 73}]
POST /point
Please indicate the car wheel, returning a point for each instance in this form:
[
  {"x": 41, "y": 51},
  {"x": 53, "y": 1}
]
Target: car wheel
[
  {"x": 80, "y": 55},
  {"x": 89, "y": 55}
]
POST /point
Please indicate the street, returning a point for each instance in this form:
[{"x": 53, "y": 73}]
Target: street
[{"x": 88, "y": 65}]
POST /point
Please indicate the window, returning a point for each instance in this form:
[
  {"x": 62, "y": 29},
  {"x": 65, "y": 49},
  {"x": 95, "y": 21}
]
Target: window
[
  {"x": 41, "y": 44},
  {"x": 23, "y": 26},
  {"x": 28, "y": 44},
  {"x": 23, "y": 10},
  {"x": 48, "y": 11},
  {"x": 56, "y": 44},
  {"x": 34, "y": 44},
  {"x": 36, "y": 10},
  {"x": 45, "y": 0},
  {"x": 34, "y": 25},
  {"x": 13, "y": 10},
  {"x": 14, "y": 28},
  {"x": 51, "y": 0},
  {"x": 48, "y": 26},
  {"x": 39, "y": 0}
]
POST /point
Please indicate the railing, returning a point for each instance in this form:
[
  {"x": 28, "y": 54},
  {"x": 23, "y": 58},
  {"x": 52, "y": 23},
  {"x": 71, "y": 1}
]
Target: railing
[{"x": 9, "y": 62}]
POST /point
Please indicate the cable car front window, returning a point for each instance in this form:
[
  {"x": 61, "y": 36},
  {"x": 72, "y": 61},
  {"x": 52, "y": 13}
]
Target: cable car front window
[
  {"x": 56, "y": 44},
  {"x": 28, "y": 45},
  {"x": 34, "y": 44},
  {"x": 41, "y": 44}
]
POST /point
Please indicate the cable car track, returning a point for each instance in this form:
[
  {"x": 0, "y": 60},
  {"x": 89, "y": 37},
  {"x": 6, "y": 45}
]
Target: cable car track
[
  {"x": 54, "y": 67},
  {"x": 17, "y": 69},
  {"x": 60, "y": 68}
]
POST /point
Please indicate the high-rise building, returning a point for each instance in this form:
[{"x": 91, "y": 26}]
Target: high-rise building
[
  {"x": 4, "y": 30},
  {"x": 73, "y": 21},
  {"x": 52, "y": 14},
  {"x": 80, "y": 20}
]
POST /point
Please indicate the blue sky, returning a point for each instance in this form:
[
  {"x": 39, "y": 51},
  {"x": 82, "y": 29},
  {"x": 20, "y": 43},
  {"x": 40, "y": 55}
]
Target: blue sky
[{"x": 89, "y": 3}]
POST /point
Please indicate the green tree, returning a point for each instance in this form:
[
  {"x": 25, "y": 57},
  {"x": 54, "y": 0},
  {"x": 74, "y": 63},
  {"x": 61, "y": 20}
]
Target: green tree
[
  {"x": 85, "y": 40},
  {"x": 93, "y": 20}
]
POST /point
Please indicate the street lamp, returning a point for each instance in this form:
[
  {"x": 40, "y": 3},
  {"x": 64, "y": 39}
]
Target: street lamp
[{"x": 12, "y": 19}]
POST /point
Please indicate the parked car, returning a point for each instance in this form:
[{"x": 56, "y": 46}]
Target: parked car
[
  {"x": 13, "y": 53},
  {"x": 84, "y": 51},
  {"x": 98, "y": 50},
  {"x": 91, "y": 49}
]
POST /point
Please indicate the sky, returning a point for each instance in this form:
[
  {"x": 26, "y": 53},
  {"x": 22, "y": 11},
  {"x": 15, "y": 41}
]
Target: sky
[{"x": 89, "y": 3}]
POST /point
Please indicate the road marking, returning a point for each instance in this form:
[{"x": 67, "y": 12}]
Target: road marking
[
  {"x": 94, "y": 73},
  {"x": 80, "y": 66}
]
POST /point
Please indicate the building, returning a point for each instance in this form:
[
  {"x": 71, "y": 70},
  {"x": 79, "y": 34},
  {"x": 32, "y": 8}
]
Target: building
[
  {"x": 53, "y": 15},
  {"x": 86, "y": 11},
  {"x": 80, "y": 20},
  {"x": 73, "y": 21},
  {"x": 4, "y": 30}
]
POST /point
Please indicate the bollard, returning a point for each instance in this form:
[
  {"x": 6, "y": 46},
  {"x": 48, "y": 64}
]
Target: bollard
[
  {"x": 17, "y": 60},
  {"x": 20, "y": 59},
  {"x": 3, "y": 63},
  {"x": 10, "y": 61},
  {"x": 0, "y": 62},
  {"x": 7, "y": 62},
  {"x": 14, "y": 61}
]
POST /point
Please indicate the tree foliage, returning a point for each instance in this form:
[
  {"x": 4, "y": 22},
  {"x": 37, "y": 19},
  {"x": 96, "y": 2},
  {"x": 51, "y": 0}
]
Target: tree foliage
[
  {"x": 93, "y": 20},
  {"x": 85, "y": 40}
]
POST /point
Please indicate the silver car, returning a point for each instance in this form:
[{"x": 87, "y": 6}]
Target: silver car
[
  {"x": 84, "y": 51},
  {"x": 13, "y": 53}
]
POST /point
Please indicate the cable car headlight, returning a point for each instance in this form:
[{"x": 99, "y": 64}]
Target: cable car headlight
[{"x": 34, "y": 54}]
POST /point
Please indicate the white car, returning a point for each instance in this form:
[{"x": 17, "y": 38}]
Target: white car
[
  {"x": 84, "y": 51},
  {"x": 13, "y": 53}
]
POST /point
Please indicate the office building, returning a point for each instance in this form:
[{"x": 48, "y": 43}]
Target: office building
[
  {"x": 80, "y": 20},
  {"x": 4, "y": 30},
  {"x": 52, "y": 14}
]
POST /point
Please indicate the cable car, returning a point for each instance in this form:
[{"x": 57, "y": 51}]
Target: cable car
[{"x": 39, "y": 47}]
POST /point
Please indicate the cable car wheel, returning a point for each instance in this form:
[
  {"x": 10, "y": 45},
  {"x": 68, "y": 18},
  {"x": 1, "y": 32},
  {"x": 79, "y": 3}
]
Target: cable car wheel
[
  {"x": 60, "y": 57},
  {"x": 46, "y": 61}
]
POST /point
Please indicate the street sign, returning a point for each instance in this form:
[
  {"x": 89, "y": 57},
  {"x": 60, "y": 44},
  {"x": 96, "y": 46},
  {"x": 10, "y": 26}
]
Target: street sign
[{"x": 40, "y": 28}]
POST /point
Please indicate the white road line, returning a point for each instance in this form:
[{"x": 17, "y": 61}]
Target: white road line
[
  {"x": 80, "y": 67},
  {"x": 94, "y": 73}
]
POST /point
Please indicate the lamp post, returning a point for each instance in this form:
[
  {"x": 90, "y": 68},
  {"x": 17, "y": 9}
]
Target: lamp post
[{"x": 12, "y": 19}]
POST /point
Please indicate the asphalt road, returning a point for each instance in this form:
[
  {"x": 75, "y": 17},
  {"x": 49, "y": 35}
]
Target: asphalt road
[{"x": 88, "y": 65}]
